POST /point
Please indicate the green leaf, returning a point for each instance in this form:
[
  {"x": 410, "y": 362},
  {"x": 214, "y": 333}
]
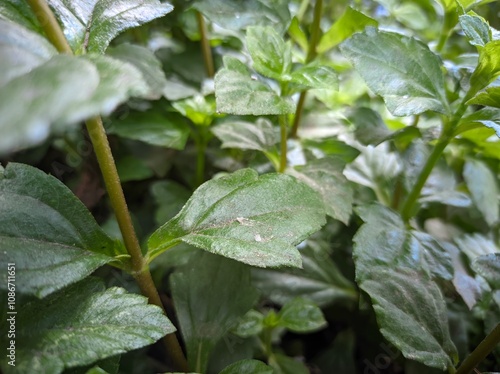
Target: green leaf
[
  {"x": 248, "y": 367},
  {"x": 476, "y": 29},
  {"x": 237, "y": 93},
  {"x": 259, "y": 136},
  {"x": 332, "y": 147},
  {"x": 102, "y": 83},
  {"x": 210, "y": 294},
  {"x": 287, "y": 365},
  {"x": 170, "y": 198},
  {"x": 152, "y": 128},
  {"x": 488, "y": 117},
  {"x": 370, "y": 127},
  {"x": 411, "y": 313},
  {"x": 339, "y": 357},
  {"x": 21, "y": 49},
  {"x": 252, "y": 219},
  {"x": 82, "y": 324},
  {"x": 18, "y": 11},
  {"x": 384, "y": 241},
  {"x": 488, "y": 266},
  {"x": 476, "y": 245},
  {"x": 21, "y": 127},
  {"x": 394, "y": 266},
  {"x": 320, "y": 281},
  {"x": 297, "y": 34},
  {"x": 401, "y": 69},
  {"x": 350, "y": 22},
  {"x": 301, "y": 315},
  {"x": 487, "y": 70},
  {"x": 239, "y": 14},
  {"x": 251, "y": 324},
  {"x": 198, "y": 109},
  {"x": 146, "y": 62},
  {"x": 482, "y": 185},
  {"x": 315, "y": 75},
  {"x": 325, "y": 176},
  {"x": 131, "y": 168},
  {"x": 89, "y": 26},
  {"x": 489, "y": 97},
  {"x": 271, "y": 56},
  {"x": 47, "y": 232}
]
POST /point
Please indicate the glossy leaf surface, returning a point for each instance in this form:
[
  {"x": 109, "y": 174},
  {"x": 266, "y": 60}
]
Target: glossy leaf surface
[
  {"x": 47, "y": 232},
  {"x": 252, "y": 219}
]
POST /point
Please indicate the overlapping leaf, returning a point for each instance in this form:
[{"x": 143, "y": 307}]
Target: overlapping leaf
[
  {"x": 259, "y": 136},
  {"x": 89, "y": 26},
  {"x": 401, "y": 69},
  {"x": 237, "y": 92},
  {"x": 255, "y": 220},
  {"x": 210, "y": 295},
  {"x": 395, "y": 268},
  {"x": 47, "y": 232},
  {"x": 82, "y": 324}
]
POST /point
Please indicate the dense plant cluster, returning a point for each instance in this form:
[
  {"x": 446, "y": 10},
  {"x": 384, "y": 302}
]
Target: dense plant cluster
[{"x": 310, "y": 186}]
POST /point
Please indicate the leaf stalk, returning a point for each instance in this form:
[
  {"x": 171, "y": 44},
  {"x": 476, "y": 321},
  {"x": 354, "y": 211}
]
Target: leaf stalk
[
  {"x": 97, "y": 133},
  {"x": 205, "y": 45},
  {"x": 284, "y": 149},
  {"x": 311, "y": 54}
]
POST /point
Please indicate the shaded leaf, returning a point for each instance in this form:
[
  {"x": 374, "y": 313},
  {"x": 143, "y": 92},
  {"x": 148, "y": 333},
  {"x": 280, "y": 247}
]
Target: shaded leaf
[
  {"x": 325, "y": 176},
  {"x": 401, "y": 69},
  {"x": 239, "y": 14},
  {"x": 259, "y": 136},
  {"x": 332, "y": 147},
  {"x": 131, "y": 168},
  {"x": 152, "y": 128},
  {"x": 287, "y": 365},
  {"x": 170, "y": 197},
  {"x": 488, "y": 117},
  {"x": 47, "y": 232},
  {"x": 146, "y": 62},
  {"x": 488, "y": 266},
  {"x": 21, "y": 49},
  {"x": 89, "y": 26},
  {"x": 370, "y": 127},
  {"x": 237, "y": 93},
  {"x": 83, "y": 324},
  {"x": 339, "y": 357},
  {"x": 250, "y": 324},
  {"x": 255, "y": 220},
  {"x": 320, "y": 281},
  {"x": 384, "y": 240},
  {"x": 482, "y": 185},
  {"x": 248, "y": 367},
  {"x": 411, "y": 313},
  {"x": 210, "y": 296},
  {"x": 350, "y": 21},
  {"x": 271, "y": 56},
  {"x": 301, "y": 315}
]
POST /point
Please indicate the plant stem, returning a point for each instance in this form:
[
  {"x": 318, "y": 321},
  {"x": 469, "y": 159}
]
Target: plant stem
[
  {"x": 311, "y": 54},
  {"x": 283, "y": 153},
  {"x": 95, "y": 128},
  {"x": 481, "y": 351},
  {"x": 205, "y": 45},
  {"x": 201, "y": 146},
  {"x": 302, "y": 10},
  {"x": 444, "y": 139},
  {"x": 445, "y": 31},
  {"x": 50, "y": 26}
]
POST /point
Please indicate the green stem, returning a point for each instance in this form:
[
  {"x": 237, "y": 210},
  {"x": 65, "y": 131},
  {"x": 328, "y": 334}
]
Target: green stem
[
  {"x": 302, "y": 10},
  {"x": 445, "y": 32},
  {"x": 205, "y": 45},
  {"x": 481, "y": 351},
  {"x": 444, "y": 139},
  {"x": 311, "y": 54},
  {"x": 95, "y": 128},
  {"x": 283, "y": 153}
]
